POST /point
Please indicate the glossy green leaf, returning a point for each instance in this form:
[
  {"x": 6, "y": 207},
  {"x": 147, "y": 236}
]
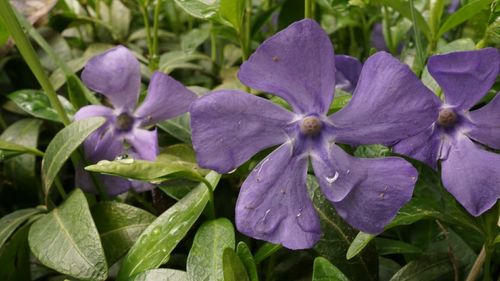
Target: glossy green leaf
[
  {"x": 66, "y": 240},
  {"x": 9, "y": 223},
  {"x": 463, "y": 14},
  {"x": 323, "y": 270},
  {"x": 163, "y": 274},
  {"x": 205, "y": 257},
  {"x": 427, "y": 268},
  {"x": 266, "y": 251},
  {"x": 233, "y": 268},
  {"x": 202, "y": 9},
  {"x": 337, "y": 237},
  {"x": 62, "y": 146},
  {"x": 358, "y": 244},
  {"x": 155, "y": 244},
  {"x": 178, "y": 127},
  {"x": 232, "y": 11},
  {"x": 246, "y": 258},
  {"x": 36, "y": 103},
  {"x": 390, "y": 246},
  {"x": 119, "y": 226},
  {"x": 403, "y": 7}
]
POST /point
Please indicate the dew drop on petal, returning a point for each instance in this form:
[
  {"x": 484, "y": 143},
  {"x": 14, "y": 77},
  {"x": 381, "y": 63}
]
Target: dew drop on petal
[{"x": 331, "y": 180}]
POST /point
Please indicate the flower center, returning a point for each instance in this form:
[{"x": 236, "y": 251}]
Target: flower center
[
  {"x": 447, "y": 117},
  {"x": 310, "y": 125},
  {"x": 124, "y": 122}
]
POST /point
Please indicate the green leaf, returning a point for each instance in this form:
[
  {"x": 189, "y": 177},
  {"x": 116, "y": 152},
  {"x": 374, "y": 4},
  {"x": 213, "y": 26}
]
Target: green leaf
[
  {"x": 10, "y": 222},
  {"x": 36, "y": 103},
  {"x": 463, "y": 14},
  {"x": 178, "y": 127},
  {"x": 16, "y": 149},
  {"x": 155, "y": 244},
  {"x": 497, "y": 239},
  {"x": 66, "y": 240},
  {"x": 232, "y": 11},
  {"x": 247, "y": 259},
  {"x": 323, "y": 270},
  {"x": 119, "y": 226},
  {"x": 403, "y": 8},
  {"x": 389, "y": 246},
  {"x": 266, "y": 251},
  {"x": 427, "y": 268},
  {"x": 163, "y": 274},
  {"x": 15, "y": 257},
  {"x": 191, "y": 40},
  {"x": 205, "y": 257},
  {"x": 233, "y": 268},
  {"x": 62, "y": 146},
  {"x": 337, "y": 237},
  {"x": 358, "y": 244},
  {"x": 202, "y": 9}
]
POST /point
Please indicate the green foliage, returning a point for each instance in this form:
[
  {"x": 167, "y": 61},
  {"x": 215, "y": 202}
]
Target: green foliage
[{"x": 325, "y": 271}]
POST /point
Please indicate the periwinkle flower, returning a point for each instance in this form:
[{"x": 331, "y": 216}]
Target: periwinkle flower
[
  {"x": 298, "y": 65},
  {"x": 469, "y": 172},
  {"x": 116, "y": 74}
]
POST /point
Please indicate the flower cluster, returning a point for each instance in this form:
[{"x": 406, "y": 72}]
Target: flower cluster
[{"x": 389, "y": 105}]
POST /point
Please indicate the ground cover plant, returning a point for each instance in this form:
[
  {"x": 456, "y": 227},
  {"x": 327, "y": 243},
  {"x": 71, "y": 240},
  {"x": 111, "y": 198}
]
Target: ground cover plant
[{"x": 249, "y": 140}]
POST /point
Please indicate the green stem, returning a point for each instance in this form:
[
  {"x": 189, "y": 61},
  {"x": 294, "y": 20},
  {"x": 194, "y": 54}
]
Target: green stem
[
  {"x": 387, "y": 30},
  {"x": 60, "y": 188},
  {"x": 12, "y": 25},
  {"x": 436, "y": 11},
  {"x": 148, "y": 34},
  {"x": 211, "y": 203},
  {"x": 418, "y": 40},
  {"x": 308, "y": 9},
  {"x": 156, "y": 26}
]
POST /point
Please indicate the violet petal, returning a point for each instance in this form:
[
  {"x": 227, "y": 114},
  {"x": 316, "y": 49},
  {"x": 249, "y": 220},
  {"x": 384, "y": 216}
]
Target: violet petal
[
  {"x": 472, "y": 175},
  {"x": 273, "y": 204},
  {"x": 296, "y": 64},
  {"x": 115, "y": 74},
  {"x": 465, "y": 77},
  {"x": 485, "y": 127},
  {"x": 230, "y": 126},
  {"x": 144, "y": 143},
  {"x": 424, "y": 146},
  {"x": 166, "y": 98},
  {"x": 348, "y": 71},
  {"x": 390, "y": 103}
]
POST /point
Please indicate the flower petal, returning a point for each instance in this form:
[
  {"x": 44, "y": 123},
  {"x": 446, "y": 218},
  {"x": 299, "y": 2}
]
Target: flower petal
[
  {"x": 296, "y": 64},
  {"x": 144, "y": 143},
  {"x": 229, "y": 127},
  {"x": 377, "y": 188},
  {"x": 485, "y": 127},
  {"x": 465, "y": 77},
  {"x": 424, "y": 146},
  {"x": 273, "y": 204},
  {"x": 93, "y": 111},
  {"x": 166, "y": 98},
  {"x": 103, "y": 144},
  {"x": 390, "y": 103},
  {"x": 348, "y": 71},
  {"x": 472, "y": 175},
  {"x": 116, "y": 74}
]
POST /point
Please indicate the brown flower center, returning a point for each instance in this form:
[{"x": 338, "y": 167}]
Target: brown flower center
[
  {"x": 124, "y": 122},
  {"x": 310, "y": 125},
  {"x": 447, "y": 117}
]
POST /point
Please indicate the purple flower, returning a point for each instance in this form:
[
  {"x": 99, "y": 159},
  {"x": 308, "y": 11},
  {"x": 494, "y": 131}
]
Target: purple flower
[
  {"x": 116, "y": 74},
  {"x": 469, "y": 172},
  {"x": 347, "y": 72},
  {"x": 298, "y": 65}
]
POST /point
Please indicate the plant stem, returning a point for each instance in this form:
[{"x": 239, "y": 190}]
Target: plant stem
[
  {"x": 387, "y": 30},
  {"x": 156, "y": 26},
  {"x": 477, "y": 266},
  {"x": 418, "y": 40},
  {"x": 149, "y": 43},
  {"x": 12, "y": 25},
  {"x": 307, "y": 9},
  {"x": 436, "y": 11},
  {"x": 60, "y": 188}
]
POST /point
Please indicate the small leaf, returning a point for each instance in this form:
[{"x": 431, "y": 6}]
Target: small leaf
[
  {"x": 463, "y": 14},
  {"x": 155, "y": 244},
  {"x": 16, "y": 149},
  {"x": 178, "y": 127},
  {"x": 66, "y": 240},
  {"x": 191, "y": 40},
  {"x": 323, "y": 270},
  {"x": 403, "y": 7},
  {"x": 36, "y": 103},
  {"x": 10, "y": 222},
  {"x": 266, "y": 251},
  {"x": 358, "y": 244},
  {"x": 389, "y": 246},
  {"x": 119, "y": 226},
  {"x": 427, "y": 268},
  {"x": 63, "y": 145},
  {"x": 205, "y": 257},
  {"x": 232, "y": 11},
  {"x": 233, "y": 268},
  {"x": 202, "y": 9},
  {"x": 247, "y": 259},
  {"x": 163, "y": 274}
]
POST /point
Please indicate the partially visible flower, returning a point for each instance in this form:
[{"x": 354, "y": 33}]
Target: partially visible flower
[
  {"x": 116, "y": 74},
  {"x": 468, "y": 171},
  {"x": 298, "y": 65},
  {"x": 347, "y": 72}
]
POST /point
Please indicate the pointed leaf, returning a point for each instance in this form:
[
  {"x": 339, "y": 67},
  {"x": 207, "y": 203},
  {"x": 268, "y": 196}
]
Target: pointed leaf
[
  {"x": 427, "y": 268},
  {"x": 247, "y": 259},
  {"x": 233, "y": 268},
  {"x": 11, "y": 147},
  {"x": 66, "y": 240},
  {"x": 463, "y": 14},
  {"x": 62, "y": 146},
  {"x": 10, "y": 222},
  {"x": 325, "y": 271},
  {"x": 36, "y": 103},
  {"x": 201, "y": 9},
  {"x": 155, "y": 244}
]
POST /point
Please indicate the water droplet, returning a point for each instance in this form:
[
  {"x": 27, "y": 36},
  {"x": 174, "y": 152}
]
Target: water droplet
[
  {"x": 156, "y": 231},
  {"x": 164, "y": 250},
  {"x": 331, "y": 180},
  {"x": 299, "y": 214},
  {"x": 348, "y": 171},
  {"x": 121, "y": 157},
  {"x": 127, "y": 161}
]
